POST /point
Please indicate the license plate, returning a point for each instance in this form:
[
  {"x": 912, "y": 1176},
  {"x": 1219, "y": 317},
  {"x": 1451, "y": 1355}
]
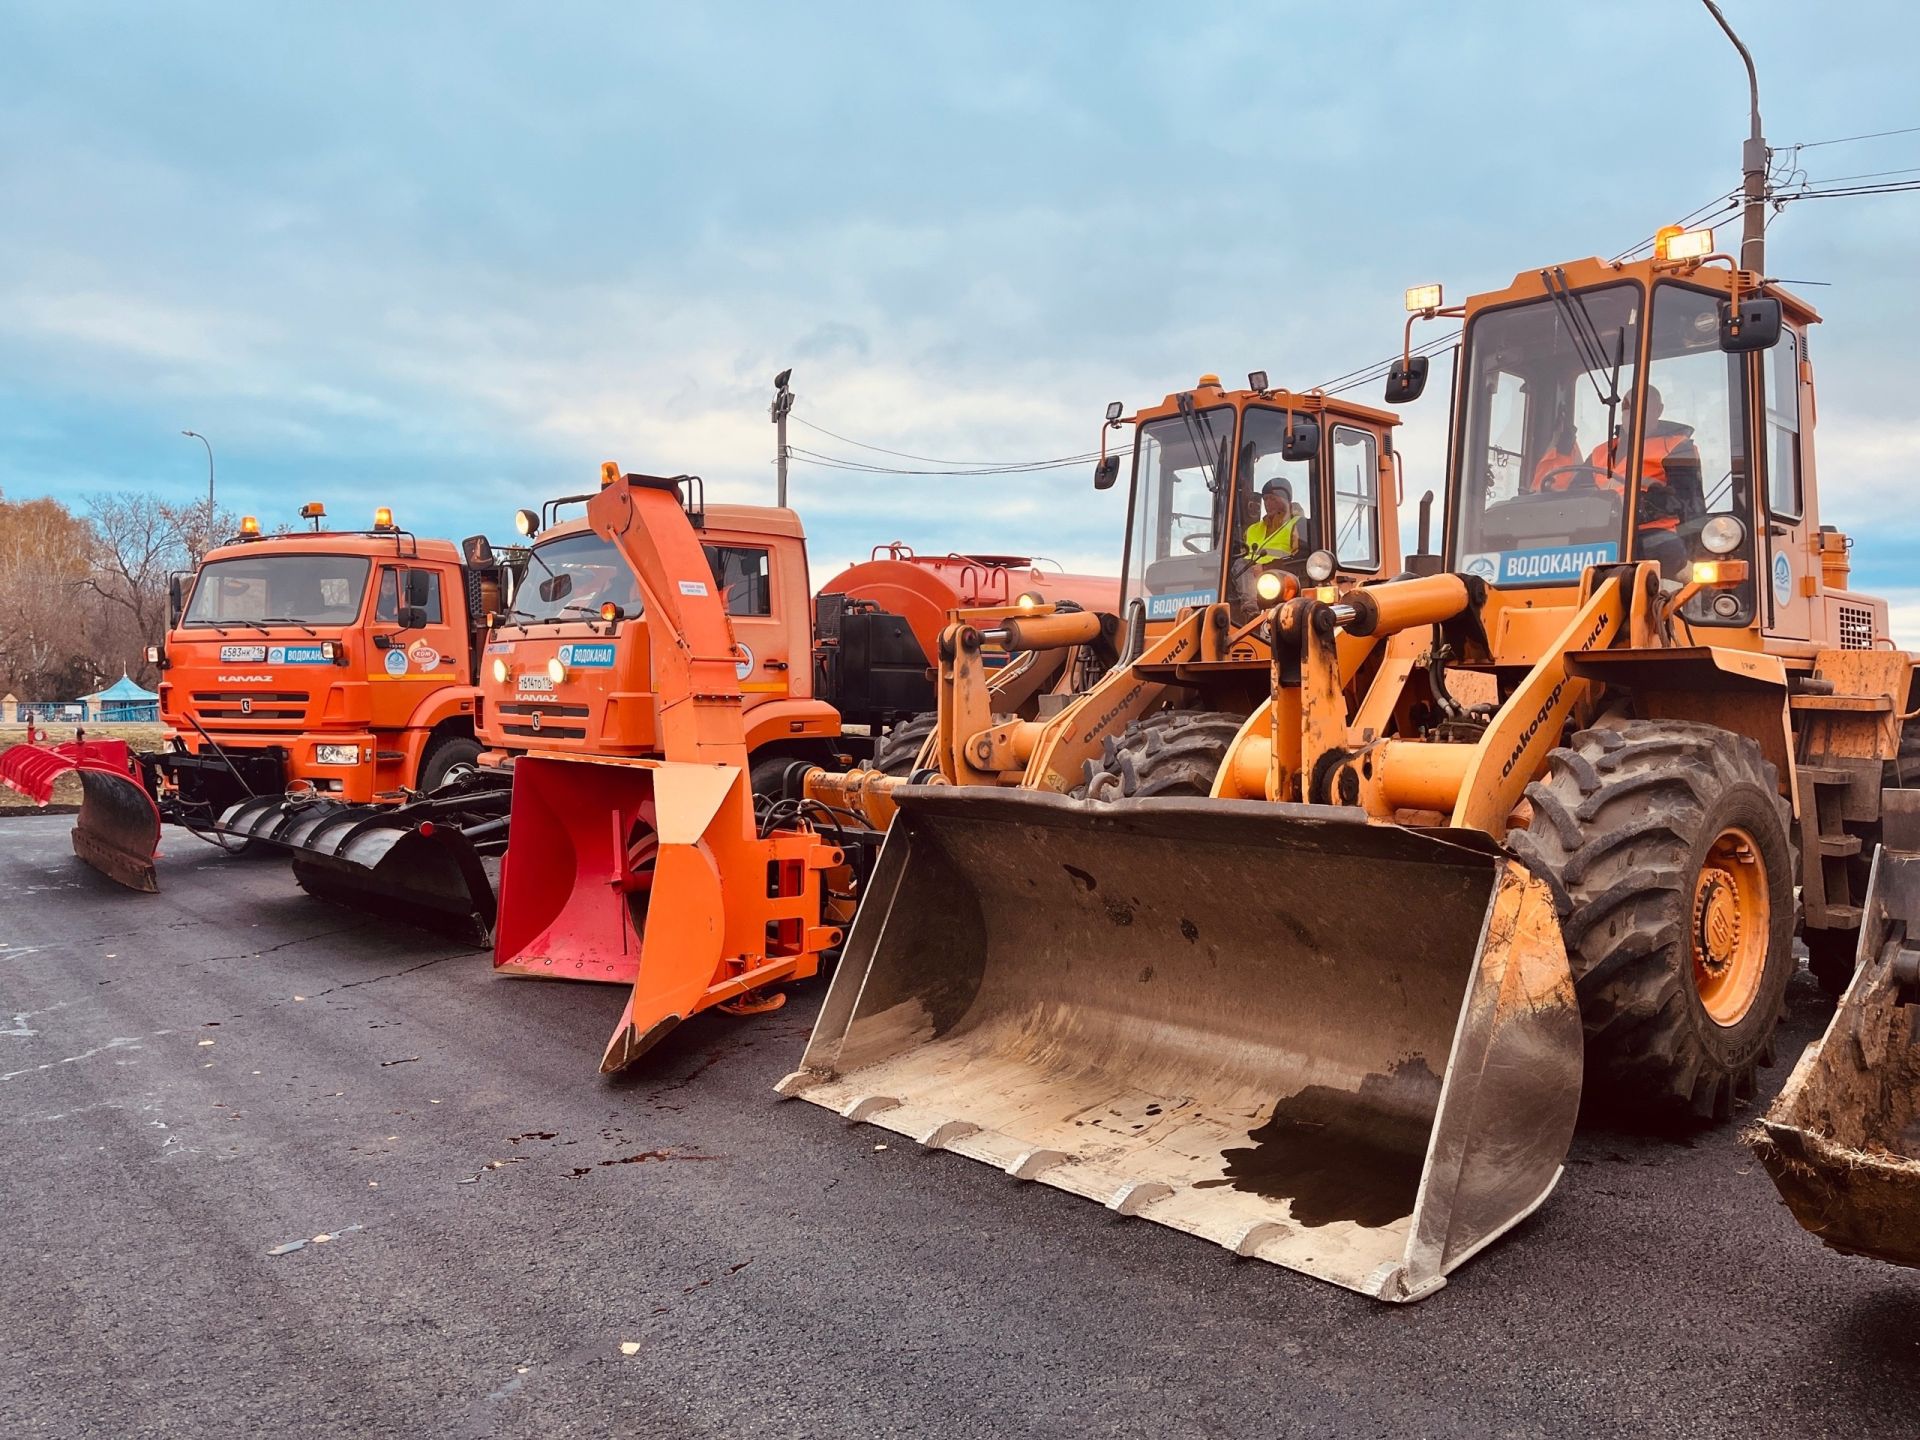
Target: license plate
[{"x": 541, "y": 683}]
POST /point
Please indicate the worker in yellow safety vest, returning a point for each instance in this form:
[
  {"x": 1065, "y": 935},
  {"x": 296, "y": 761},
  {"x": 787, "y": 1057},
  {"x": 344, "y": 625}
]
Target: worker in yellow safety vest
[{"x": 1275, "y": 536}]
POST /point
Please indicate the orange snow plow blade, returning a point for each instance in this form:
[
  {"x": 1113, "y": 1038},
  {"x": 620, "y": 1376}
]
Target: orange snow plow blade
[
  {"x": 1348, "y": 1049},
  {"x": 652, "y": 874},
  {"x": 1842, "y": 1142},
  {"x": 118, "y": 829}
]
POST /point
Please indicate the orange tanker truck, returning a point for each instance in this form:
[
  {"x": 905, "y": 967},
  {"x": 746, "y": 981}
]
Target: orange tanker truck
[{"x": 335, "y": 664}]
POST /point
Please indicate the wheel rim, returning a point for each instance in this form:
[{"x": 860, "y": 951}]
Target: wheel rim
[
  {"x": 459, "y": 770},
  {"x": 1731, "y": 930}
]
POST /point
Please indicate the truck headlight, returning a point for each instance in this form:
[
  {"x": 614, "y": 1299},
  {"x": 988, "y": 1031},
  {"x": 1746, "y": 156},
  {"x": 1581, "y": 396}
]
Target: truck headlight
[
  {"x": 499, "y": 670},
  {"x": 556, "y": 670},
  {"x": 336, "y": 754}
]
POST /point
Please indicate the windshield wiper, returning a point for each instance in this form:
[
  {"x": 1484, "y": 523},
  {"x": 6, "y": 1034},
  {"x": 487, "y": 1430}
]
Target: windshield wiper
[
  {"x": 289, "y": 620},
  {"x": 212, "y": 624}
]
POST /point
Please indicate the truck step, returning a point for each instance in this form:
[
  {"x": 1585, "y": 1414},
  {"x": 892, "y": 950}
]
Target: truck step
[
  {"x": 1839, "y": 844},
  {"x": 1856, "y": 704}
]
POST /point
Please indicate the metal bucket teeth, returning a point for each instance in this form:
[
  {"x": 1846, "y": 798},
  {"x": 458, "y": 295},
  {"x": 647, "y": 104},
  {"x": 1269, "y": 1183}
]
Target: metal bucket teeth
[{"x": 1349, "y": 1049}]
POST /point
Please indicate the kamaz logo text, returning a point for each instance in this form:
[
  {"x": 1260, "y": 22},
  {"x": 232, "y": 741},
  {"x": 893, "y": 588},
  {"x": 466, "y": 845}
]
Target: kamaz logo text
[{"x": 246, "y": 679}]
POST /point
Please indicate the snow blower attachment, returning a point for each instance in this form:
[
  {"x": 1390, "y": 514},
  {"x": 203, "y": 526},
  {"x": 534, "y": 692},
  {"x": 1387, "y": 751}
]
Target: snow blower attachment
[
  {"x": 1842, "y": 1142},
  {"x": 118, "y": 828},
  {"x": 1349, "y": 1049}
]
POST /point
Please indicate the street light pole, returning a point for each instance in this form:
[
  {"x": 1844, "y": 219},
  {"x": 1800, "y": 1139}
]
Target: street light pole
[
  {"x": 1753, "y": 164},
  {"x": 782, "y": 403},
  {"x": 196, "y": 435}
]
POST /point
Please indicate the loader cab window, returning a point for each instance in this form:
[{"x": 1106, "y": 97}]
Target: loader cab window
[
  {"x": 743, "y": 574},
  {"x": 1693, "y": 451},
  {"x": 1544, "y": 394},
  {"x": 1182, "y": 466},
  {"x": 387, "y": 608},
  {"x": 264, "y": 588},
  {"x": 1782, "y": 365},
  {"x": 571, "y": 578},
  {"x": 1356, "y": 498}
]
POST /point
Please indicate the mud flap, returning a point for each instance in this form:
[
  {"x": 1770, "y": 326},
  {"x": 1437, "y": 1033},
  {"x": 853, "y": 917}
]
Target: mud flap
[
  {"x": 411, "y": 863},
  {"x": 1842, "y": 1142},
  {"x": 651, "y": 873},
  {"x": 1349, "y": 1049}
]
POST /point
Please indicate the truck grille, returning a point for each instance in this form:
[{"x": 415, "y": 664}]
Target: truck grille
[
  {"x": 1856, "y": 627},
  {"x": 544, "y": 726},
  {"x": 241, "y": 708}
]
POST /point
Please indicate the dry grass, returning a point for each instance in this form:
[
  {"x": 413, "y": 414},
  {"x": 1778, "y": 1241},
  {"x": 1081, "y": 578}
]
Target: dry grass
[{"x": 143, "y": 736}]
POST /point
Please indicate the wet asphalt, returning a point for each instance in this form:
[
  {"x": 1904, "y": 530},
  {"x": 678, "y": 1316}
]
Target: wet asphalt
[{"x": 191, "y": 1080}]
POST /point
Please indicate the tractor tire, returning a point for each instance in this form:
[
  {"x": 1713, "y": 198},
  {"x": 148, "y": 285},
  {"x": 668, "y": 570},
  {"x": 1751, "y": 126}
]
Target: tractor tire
[
  {"x": 449, "y": 758},
  {"x": 900, "y": 746},
  {"x": 1669, "y": 851},
  {"x": 1171, "y": 752}
]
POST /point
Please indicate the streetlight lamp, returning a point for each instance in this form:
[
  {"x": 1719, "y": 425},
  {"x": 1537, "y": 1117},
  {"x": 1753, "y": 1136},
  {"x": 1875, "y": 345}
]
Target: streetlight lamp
[{"x": 196, "y": 435}]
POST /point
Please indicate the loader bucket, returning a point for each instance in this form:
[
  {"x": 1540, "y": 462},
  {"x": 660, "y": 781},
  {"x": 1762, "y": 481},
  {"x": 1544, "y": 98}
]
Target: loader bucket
[
  {"x": 414, "y": 864},
  {"x": 1349, "y": 1049},
  {"x": 118, "y": 829},
  {"x": 1842, "y": 1142}
]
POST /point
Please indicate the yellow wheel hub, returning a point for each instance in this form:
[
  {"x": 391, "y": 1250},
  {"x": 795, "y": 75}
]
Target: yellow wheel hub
[{"x": 1730, "y": 929}]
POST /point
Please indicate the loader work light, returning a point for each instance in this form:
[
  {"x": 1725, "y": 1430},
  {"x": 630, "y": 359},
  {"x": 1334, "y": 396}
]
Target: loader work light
[
  {"x": 526, "y": 522},
  {"x": 1422, "y": 298},
  {"x": 1269, "y": 587},
  {"x": 1257, "y": 381},
  {"x": 1115, "y": 409},
  {"x": 1722, "y": 534},
  {"x": 1671, "y": 242},
  {"x": 1320, "y": 566}
]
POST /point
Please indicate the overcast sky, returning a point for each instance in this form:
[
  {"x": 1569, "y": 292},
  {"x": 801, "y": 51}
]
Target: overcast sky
[{"x": 450, "y": 257}]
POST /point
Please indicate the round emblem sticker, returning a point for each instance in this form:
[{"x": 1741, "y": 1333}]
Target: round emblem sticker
[
  {"x": 423, "y": 655},
  {"x": 396, "y": 662},
  {"x": 246, "y": 707},
  {"x": 1481, "y": 567},
  {"x": 743, "y": 667},
  {"x": 1782, "y": 577}
]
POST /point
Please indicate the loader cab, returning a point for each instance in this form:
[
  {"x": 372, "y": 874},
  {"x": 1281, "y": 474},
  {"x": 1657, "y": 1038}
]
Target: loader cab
[
  {"x": 1598, "y": 417},
  {"x": 1216, "y": 471}
]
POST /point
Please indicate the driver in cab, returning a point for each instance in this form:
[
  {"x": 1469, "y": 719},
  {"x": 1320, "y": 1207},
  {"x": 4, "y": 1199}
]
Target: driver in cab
[
  {"x": 1670, "y": 489},
  {"x": 1275, "y": 536}
]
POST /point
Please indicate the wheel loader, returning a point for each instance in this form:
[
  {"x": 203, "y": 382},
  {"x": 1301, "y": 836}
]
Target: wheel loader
[
  {"x": 1492, "y": 838},
  {"x": 334, "y": 665},
  {"x": 1191, "y": 660}
]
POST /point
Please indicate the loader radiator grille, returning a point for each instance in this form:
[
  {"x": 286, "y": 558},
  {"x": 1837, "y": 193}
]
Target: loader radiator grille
[
  {"x": 246, "y": 707},
  {"x": 1856, "y": 627}
]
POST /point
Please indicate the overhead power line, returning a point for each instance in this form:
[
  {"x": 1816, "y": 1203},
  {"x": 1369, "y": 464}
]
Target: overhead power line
[{"x": 1849, "y": 139}]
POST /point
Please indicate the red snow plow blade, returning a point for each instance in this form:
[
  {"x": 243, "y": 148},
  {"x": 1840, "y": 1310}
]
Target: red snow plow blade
[
  {"x": 652, "y": 873},
  {"x": 118, "y": 831}
]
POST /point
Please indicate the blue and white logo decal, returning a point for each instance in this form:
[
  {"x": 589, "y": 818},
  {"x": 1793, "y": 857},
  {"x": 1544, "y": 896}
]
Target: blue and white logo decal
[
  {"x": 1564, "y": 563},
  {"x": 1782, "y": 577},
  {"x": 581, "y": 656},
  {"x": 396, "y": 662},
  {"x": 295, "y": 655},
  {"x": 1166, "y": 607},
  {"x": 743, "y": 667}
]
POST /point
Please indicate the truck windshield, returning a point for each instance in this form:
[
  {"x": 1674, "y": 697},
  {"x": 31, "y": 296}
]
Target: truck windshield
[
  {"x": 572, "y": 577},
  {"x": 266, "y": 589},
  {"x": 1182, "y": 468},
  {"x": 1546, "y": 388}
]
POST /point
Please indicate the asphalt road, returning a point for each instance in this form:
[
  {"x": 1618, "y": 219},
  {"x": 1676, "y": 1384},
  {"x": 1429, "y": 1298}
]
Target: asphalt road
[{"x": 192, "y": 1079}]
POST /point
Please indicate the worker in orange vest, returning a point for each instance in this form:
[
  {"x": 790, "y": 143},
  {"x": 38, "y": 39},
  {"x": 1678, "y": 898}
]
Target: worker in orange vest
[{"x": 1670, "y": 490}]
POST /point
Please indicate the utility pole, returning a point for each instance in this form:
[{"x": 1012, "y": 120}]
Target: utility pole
[
  {"x": 782, "y": 403},
  {"x": 1753, "y": 165},
  {"x": 196, "y": 435}
]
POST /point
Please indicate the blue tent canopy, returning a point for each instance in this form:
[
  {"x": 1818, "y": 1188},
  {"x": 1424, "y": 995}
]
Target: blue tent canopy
[{"x": 122, "y": 700}]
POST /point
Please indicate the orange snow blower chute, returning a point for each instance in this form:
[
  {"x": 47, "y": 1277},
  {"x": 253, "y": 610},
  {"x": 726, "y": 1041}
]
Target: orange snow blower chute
[{"x": 655, "y": 872}]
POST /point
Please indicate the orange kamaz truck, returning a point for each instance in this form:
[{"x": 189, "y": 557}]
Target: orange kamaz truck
[{"x": 336, "y": 664}]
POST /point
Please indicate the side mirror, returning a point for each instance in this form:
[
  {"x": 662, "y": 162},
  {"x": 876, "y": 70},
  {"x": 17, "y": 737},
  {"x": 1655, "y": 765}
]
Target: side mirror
[
  {"x": 1106, "y": 472},
  {"x": 1406, "y": 380},
  {"x": 556, "y": 588},
  {"x": 477, "y": 553},
  {"x": 1302, "y": 438},
  {"x": 176, "y": 600},
  {"x": 1753, "y": 324},
  {"x": 416, "y": 589}
]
